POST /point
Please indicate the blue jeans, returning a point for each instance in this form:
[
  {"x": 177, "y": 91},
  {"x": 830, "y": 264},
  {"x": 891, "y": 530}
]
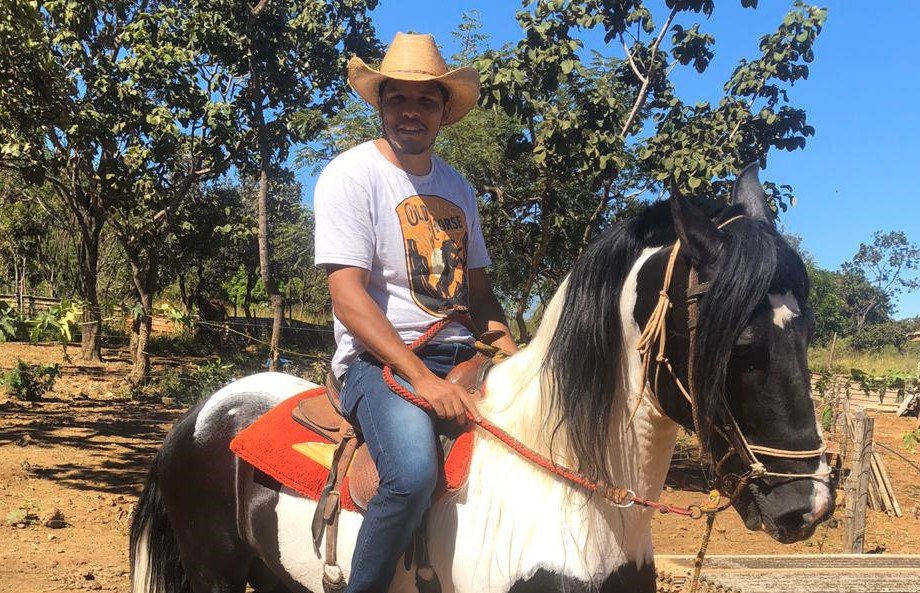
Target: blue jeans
[{"x": 402, "y": 440}]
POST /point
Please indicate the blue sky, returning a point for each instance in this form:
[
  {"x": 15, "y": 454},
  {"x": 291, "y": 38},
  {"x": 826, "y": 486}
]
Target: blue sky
[{"x": 854, "y": 176}]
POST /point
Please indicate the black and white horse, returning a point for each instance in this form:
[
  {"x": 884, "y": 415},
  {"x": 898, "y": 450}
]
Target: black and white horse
[{"x": 576, "y": 394}]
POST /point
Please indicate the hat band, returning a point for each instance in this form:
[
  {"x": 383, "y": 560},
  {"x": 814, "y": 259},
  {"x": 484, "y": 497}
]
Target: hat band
[{"x": 429, "y": 73}]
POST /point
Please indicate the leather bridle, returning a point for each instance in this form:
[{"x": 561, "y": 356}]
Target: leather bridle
[{"x": 725, "y": 426}]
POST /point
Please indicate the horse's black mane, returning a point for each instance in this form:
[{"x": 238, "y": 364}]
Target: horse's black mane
[{"x": 583, "y": 365}]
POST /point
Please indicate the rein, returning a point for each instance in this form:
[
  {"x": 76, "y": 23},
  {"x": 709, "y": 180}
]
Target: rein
[
  {"x": 618, "y": 495},
  {"x": 656, "y": 332}
]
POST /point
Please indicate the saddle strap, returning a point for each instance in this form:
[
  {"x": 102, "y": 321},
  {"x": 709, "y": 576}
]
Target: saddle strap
[{"x": 330, "y": 503}]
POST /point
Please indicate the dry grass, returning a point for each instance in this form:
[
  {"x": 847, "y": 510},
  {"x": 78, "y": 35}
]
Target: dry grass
[{"x": 882, "y": 362}]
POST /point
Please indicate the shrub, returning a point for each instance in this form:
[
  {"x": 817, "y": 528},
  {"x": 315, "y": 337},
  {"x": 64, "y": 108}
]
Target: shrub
[
  {"x": 28, "y": 382},
  {"x": 12, "y": 324},
  {"x": 183, "y": 343},
  {"x": 877, "y": 336},
  {"x": 186, "y": 388}
]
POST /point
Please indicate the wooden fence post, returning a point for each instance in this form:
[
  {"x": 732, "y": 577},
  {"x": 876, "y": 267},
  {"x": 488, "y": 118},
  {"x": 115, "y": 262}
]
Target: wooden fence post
[
  {"x": 858, "y": 483},
  {"x": 844, "y": 421}
]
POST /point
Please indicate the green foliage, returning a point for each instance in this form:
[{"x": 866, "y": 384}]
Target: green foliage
[
  {"x": 183, "y": 343},
  {"x": 587, "y": 137},
  {"x": 888, "y": 266},
  {"x": 911, "y": 439},
  {"x": 13, "y": 326},
  {"x": 827, "y": 417},
  {"x": 25, "y": 515},
  {"x": 185, "y": 388},
  {"x": 28, "y": 382},
  {"x": 181, "y": 319},
  {"x": 877, "y": 336},
  {"x": 827, "y": 304},
  {"x": 57, "y": 323},
  {"x": 880, "y": 383}
]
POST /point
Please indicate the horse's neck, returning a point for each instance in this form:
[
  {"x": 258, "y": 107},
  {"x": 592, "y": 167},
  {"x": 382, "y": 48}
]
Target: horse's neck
[{"x": 640, "y": 446}]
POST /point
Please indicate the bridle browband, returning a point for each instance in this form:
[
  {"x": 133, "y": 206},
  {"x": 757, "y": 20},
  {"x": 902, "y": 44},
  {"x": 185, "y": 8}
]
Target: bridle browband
[{"x": 655, "y": 331}]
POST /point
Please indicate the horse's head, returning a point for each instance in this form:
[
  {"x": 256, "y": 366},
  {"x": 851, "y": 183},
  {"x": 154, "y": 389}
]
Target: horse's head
[{"x": 736, "y": 338}]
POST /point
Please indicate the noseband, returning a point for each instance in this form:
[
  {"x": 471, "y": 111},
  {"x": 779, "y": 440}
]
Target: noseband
[{"x": 727, "y": 427}]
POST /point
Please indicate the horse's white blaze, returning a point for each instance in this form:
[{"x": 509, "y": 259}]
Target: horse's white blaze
[
  {"x": 140, "y": 575},
  {"x": 785, "y": 308},
  {"x": 276, "y": 387}
]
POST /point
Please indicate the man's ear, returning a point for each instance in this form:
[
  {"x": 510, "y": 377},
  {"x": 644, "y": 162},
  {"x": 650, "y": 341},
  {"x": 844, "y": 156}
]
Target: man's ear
[{"x": 446, "y": 113}]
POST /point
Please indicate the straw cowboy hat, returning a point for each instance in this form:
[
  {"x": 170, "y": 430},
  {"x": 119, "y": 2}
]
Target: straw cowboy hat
[{"x": 416, "y": 58}]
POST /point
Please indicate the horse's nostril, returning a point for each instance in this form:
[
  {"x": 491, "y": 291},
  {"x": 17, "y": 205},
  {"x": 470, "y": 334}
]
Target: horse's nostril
[{"x": 796, "y": 521}]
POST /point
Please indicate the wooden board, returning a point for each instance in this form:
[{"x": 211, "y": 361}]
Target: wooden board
[{"x": 826, "y": 573}]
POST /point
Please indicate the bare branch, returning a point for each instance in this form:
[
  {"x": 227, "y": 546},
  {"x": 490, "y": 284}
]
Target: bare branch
[
  {"x": 632, "y": 62},
  {"x": 643, "y": 91}
]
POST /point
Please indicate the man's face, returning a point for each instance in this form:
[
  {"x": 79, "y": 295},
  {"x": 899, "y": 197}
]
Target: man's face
[{"x": 411, "y": 113}]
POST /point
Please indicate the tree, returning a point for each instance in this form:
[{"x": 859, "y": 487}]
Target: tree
[
  {"x": 878, "y": 273},
  {"x": 51, "y": 131},
  {"x": 22, "y": 233},
  {"x": 615, "y": 128},
  {"x": 284, "y": 61},
  {"x": 827, "y": 303}
]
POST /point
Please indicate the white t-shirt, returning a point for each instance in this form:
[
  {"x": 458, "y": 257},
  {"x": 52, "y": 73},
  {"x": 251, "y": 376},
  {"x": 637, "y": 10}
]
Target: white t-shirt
[{"x": 417, "y": 235}]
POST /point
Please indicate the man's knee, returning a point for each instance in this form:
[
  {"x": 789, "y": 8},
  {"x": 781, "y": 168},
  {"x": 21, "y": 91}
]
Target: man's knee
[{"x": 415, "y": 480}]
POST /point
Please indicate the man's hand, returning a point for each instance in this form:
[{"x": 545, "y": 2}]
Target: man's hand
[{"x": 449, "y": 401}]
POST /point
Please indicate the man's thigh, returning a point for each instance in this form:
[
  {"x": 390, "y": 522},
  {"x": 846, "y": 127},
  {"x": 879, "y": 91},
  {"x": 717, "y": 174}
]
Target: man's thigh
[{"x": 400, "y": 435}]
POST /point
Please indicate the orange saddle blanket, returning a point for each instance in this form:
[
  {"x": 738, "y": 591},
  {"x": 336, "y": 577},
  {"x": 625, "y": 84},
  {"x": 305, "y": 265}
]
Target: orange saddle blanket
[{"x": 279, "y": 446}]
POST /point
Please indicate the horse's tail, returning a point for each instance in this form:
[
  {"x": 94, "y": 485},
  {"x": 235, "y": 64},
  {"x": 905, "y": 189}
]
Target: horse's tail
[{"x": 155, "y": 563}]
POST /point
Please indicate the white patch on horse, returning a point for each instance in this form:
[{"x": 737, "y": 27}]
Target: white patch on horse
[
  {"x": 298, "y": 556},
  {"x": 821, "y": 497},
  {"x": 232, "y": 411},
  {"x": 273, "y": 386},
  {"x": 140, "y": 575},
  {"x": 631, "y": 330},
  {"x": 785, "y": 308}
]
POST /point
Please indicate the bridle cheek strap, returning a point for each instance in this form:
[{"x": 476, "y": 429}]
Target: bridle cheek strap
[{"x": 655, "y": 332}]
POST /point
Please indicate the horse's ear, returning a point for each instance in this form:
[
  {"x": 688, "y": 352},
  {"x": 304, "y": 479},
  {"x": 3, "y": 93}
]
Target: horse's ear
[
  {"x": 700, "y": 239},
  {"x": 748, "y": 192}
]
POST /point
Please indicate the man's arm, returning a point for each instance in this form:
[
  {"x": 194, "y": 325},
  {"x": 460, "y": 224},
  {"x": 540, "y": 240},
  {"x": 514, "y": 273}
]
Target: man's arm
[
  {"x": 486, "y": 311},
  {"x": 357, "y": 311}
]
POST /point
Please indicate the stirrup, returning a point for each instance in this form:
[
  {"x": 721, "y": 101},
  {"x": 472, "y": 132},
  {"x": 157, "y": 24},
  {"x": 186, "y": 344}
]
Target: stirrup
[{"x": 333, "y": 579}]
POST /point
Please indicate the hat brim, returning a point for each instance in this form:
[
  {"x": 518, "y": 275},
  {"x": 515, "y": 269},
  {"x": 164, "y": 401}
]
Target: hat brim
[{"x": 462, "y": 85}]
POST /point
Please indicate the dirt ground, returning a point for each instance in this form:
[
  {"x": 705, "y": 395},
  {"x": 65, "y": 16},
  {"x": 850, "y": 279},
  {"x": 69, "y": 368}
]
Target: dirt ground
[{"x": 83, "y": 452}]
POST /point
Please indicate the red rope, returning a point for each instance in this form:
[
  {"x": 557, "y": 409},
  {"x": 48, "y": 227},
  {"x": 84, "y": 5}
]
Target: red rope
[{"x": 617, "y": 495}]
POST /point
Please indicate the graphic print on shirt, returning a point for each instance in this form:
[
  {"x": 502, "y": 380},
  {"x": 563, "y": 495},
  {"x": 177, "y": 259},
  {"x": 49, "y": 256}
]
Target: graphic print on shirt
[{"x": 435, "y": 239}]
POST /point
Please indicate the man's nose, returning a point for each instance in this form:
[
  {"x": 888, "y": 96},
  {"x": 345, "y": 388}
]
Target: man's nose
[{"x": 411, "y": 109}]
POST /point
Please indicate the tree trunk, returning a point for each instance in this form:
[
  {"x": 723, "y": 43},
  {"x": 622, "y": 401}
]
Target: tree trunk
[
  {"x": 140, "y": 368},
  {"x": 88, "y": 257},
  {"x": 265, "y": 155},
  {"x": 144, "y": 278}
]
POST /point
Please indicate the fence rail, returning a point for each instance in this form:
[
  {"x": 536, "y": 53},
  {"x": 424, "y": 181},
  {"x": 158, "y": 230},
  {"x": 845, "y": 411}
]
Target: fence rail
[{"x": 30, "y": 303}]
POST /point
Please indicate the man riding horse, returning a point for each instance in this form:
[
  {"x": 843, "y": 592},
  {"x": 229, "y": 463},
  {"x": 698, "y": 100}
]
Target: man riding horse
[{"x": 374, "y": 204}]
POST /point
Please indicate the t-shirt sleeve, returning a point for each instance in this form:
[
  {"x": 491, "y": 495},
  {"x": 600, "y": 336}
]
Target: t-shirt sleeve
[
  {"x": 344, "y": 227},
  {"x": 478, "y": 254}
]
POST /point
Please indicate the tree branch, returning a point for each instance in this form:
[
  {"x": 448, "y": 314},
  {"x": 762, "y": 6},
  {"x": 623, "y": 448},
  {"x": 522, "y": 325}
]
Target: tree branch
[
  {"x": 643, "y": 91},
  {"x": 632, "y": 62}
]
